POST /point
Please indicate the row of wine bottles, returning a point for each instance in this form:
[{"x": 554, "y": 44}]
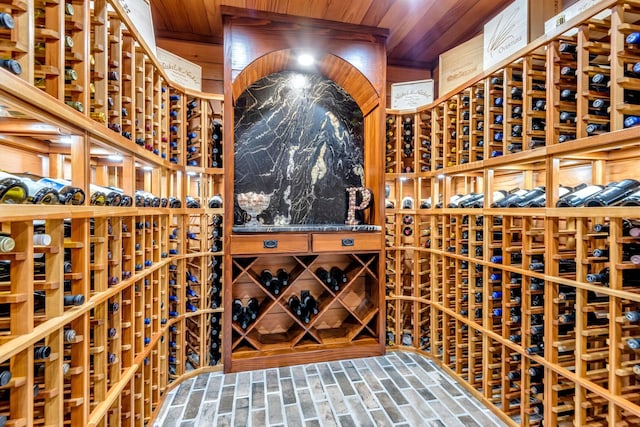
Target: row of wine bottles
[
  {"x": 28, "y": 188},
  {"x": 244, "y": 314},
  {"x": 334, "y": 279},
  {"x": 215, "y": 339},
  {"x": 304, "y": 307},
  {"x": 625, "y": 192}
]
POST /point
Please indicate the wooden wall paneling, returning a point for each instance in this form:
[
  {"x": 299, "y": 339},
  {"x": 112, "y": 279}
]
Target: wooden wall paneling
[
  {"x": 21, "y": 161},
  {"x": 446, "y": 31},
  {"x": 419, "y": 31}
]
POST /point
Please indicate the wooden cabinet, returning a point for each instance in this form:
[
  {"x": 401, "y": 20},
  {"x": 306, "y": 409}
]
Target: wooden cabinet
[
  {"x": 274, "y": 243},
  {"x": 515, "y": 302},
  {"x": 344, "y": 321},
  {"x": 353, "y": 242},
  {"x": 349, "y": 319}
]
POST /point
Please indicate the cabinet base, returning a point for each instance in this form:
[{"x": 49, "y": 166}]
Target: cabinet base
[{"x": 240, "y": 364}]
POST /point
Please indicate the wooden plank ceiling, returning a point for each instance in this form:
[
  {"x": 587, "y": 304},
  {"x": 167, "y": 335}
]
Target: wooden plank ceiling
[{"x": 419, "y": 29}]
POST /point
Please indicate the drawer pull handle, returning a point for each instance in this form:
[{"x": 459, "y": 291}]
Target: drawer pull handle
[
  {"x": 270, "y": 244},
  {"x": 347, "y": 242}
]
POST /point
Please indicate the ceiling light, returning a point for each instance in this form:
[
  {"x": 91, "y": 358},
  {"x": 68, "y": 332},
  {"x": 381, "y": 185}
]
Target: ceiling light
[{"x": 306, "y": 60}]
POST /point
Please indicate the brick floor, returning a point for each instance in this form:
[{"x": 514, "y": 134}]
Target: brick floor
[{"x": 398, "y": 389}]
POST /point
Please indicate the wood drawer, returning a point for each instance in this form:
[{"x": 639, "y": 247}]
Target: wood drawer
[
  {"x": 259, "y": 244},
  {"x": 346, "y": 242}
]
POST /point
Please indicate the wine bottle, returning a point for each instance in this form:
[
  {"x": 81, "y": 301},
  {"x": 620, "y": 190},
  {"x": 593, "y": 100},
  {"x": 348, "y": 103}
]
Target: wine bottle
[
  {"x": 68, "y": 194},
  {"x": 540, "y": 200},
  {"x": 632, "y": 199},
  {"x": 629, "y": 277},
  {"x": 36, "y": 192},
  {"x": 514, "y": 194},
  {"x": 236, "y": 309},
  {"x": 593, "y": 128},
  {"x": 538, "y": 124},
  {"x": 253, "y": 306},
  {"x": 633, "y": 38},
  {"x": 7, "y": 244},
  {"x": 462, "y": 201},
  {"x": 567, "y": 94},
  {"x": 631, "y": 121},
  {"x": 577, "y": 198},
  {"x": 12, "y": 189},
  {"x": 600, "y": 80},
  {"x": 514, "y": 147},
  {"x": 215, "y": 202},
  {"x": 524, "y": 200},
  {"x": 600, "y": 105},
  {"x": 125, "y": 199},
  {"x": 633, "y": 343},
  {"x": 309, "y": 303},
  {"x": 613, "y": 193},
  {"x": 146, "y": 199},
  {"x": 41, "y": 352},
  {"x": 629, "y": 228},
  {"x": 324, "y": 276},
  {"x": 566, "y": 116},
  {"x": 338, "y": 278},
  {"x": 632, "y": 316},
  {"x": 294, "y": 305},
  {"x": 6, "y": 21},
  {"x": 11, "y": 65},
  {"x": 283, "y": 277},
  {"x": 566, "y": 137}
]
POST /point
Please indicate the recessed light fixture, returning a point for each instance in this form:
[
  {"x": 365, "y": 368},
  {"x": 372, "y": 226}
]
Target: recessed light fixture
[
  {"x": 306, "y": 60},
  {"x": 115, "y": 157},
  {"x": 441, "y": 176}
]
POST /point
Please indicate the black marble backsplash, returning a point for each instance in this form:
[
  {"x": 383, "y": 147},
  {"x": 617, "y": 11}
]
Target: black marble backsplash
[{"x": 299, "y": 138}]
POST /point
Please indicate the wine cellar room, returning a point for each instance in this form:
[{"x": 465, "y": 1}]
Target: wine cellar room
[{"x": 371, "y": 213}]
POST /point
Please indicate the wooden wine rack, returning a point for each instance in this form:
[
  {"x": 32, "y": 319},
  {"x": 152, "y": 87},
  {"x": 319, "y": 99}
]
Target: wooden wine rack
[
  {"x": 348, "y": 319},
  {"x": 150, "y": 277},
  {"x": 543, "y": 346}
]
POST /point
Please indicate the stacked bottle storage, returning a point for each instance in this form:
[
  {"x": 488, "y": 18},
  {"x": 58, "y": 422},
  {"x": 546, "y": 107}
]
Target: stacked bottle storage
[
  {"x": 112, "y": 285},
  {"x": 477, "y": 108},
  {"x": 532, "y": 247}
]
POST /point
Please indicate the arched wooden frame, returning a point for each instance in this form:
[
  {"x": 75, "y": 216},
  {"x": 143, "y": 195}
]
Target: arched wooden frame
[
  {"x": 330, "y": 66},
  {"x": 354, "y": 83}
]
